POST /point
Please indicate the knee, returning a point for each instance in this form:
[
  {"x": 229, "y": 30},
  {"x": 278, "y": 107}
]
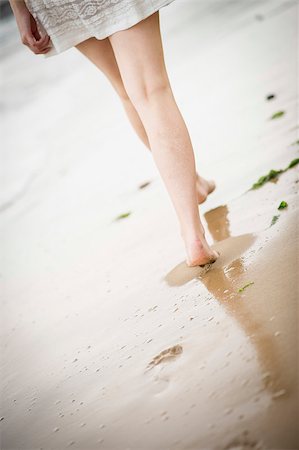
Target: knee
[{"x": 145, "y": 93}]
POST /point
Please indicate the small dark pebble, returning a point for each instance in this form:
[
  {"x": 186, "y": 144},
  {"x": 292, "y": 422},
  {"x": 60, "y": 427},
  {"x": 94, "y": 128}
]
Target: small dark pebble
[{"x": 144, "y": 185}]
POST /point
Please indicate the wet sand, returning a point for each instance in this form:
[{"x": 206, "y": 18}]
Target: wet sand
[{"x": 108, "y": 340}]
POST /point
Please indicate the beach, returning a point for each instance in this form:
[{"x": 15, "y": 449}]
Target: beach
[{"x": 108, "y": 340}]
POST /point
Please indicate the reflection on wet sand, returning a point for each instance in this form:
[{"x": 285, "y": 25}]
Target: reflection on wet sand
[
  {"x": 218, "y": 223},
  {"x": 217, "y": 277},
  {"x": 223, "y": 279}
]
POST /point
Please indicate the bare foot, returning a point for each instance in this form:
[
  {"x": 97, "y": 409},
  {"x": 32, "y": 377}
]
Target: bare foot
[
  {"x": 203, "y": 188},
  {"x": 199, "y": 253}
]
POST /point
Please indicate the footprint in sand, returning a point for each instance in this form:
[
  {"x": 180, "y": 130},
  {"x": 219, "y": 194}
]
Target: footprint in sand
[
  {"x": 244, "y": 443},
  {"x": 166, "y": 355}
]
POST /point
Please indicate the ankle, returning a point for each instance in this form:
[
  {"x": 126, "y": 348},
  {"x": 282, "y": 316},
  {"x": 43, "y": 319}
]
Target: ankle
[{"x": 193, "y": 234}]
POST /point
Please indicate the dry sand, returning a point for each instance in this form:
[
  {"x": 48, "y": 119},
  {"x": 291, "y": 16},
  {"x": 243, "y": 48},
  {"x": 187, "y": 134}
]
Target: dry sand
[{"x": 108, "y": 340}]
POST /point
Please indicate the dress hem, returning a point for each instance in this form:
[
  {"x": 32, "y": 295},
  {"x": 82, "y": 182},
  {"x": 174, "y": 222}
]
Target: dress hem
[{"x": 83, "y": 34}]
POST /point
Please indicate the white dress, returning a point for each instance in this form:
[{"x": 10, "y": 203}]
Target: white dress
[{"x": 69, "y": 22}]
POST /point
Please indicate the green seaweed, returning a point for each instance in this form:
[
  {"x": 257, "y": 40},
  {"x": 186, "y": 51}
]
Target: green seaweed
[
  {"x": 293, "y": 163},
  {"x": 273, "y": 174},
  {"x": 296, "y": 142},
  {"x": 246, "y": 286},
  {"x": 274, "y": 220},
  {"x": 283, "y": 205},
  {"x": 270, "y": 97},
  {"x": 123, "y": 216},
  {"x": 277, "y": 115}
]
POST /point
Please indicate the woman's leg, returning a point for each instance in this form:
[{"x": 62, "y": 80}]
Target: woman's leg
[
  {"x": 101, "y": 54},
  {"x": 139, "y": 55}
]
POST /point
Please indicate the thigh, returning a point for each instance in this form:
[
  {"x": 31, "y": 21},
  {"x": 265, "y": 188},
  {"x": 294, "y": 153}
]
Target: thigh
[
  {"x": 140, "y": 58},
  {"x": 101, "y": 54}
]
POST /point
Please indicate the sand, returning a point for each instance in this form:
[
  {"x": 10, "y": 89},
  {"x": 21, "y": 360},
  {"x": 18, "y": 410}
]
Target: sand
[{"x": 108, "y": 340}]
